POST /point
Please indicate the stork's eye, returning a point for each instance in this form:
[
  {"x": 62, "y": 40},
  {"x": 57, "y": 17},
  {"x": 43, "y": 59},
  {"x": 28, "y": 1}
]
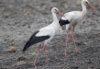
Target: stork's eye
[
  {"x": 86, "y": 2},
  {"x": 55, "y": 9}
]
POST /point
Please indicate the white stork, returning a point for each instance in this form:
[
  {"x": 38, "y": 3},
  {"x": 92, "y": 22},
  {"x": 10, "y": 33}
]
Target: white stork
[
  {"x": 72, "y": 18},
  {"x": 45, "y": 34}
]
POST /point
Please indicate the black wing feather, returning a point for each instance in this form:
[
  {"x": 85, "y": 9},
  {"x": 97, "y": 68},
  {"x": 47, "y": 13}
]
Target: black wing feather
[
  {"x": 63, "y": 22},
  {"x": 33, "y": 39}
]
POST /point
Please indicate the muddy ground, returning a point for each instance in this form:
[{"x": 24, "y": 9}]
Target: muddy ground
[{"x": 20, "y": 18}]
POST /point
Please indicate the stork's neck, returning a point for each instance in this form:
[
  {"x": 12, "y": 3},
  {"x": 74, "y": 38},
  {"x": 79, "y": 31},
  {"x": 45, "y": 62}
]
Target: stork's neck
[
  {"x": 56, "y": 22},
  {"x": 55, "y": 19},
  {"x": 84, "y": 9}
]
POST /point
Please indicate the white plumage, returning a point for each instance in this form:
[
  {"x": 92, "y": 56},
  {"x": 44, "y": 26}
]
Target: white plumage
[
  {"x": 45, "y": 34},
  {"x": 72, "y": 18}
]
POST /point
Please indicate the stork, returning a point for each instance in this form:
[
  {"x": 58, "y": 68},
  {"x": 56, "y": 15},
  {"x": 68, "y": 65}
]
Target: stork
[
  {"x": 72, "y": 18},
  {"x": 44, "y": 35}
]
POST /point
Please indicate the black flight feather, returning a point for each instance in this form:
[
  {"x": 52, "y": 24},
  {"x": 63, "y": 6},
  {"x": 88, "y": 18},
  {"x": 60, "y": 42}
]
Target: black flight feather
[
  {"x": 63, "y": 22},
  {"x": 34, "y": 39}
]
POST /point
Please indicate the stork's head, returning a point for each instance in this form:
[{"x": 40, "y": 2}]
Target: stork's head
[
  {"x": 56, "y": 10},
  {"x": 86, "y": 2}
]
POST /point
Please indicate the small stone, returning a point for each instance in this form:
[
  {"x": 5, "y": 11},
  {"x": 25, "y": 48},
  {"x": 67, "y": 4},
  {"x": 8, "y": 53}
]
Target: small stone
[
  {"x": 22, "y": 58},
  {"x": 78, "y": 42},
  {"x": 78, "y": 2},
  {"x": 6, "y": 15},
  {"x": 96, "y": 32},
  {"x": 11, "y": 49},
  {"x": 21, "y": 62},
  {"x": 33, "y": 54},
  {"x": 65, "y": 5}
]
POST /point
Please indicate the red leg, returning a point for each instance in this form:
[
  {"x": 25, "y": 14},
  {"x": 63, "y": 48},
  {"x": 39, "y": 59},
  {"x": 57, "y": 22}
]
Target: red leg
[
  {"x": 76, "y": 49},
  {"x": 66, "y": 43},
  {"x": 38, "y": 50},
  {"x": 45, "y": 51}
]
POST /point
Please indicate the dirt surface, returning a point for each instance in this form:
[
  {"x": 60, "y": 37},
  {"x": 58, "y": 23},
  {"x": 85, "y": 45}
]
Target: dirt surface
[{"x": 20, "y": 18}]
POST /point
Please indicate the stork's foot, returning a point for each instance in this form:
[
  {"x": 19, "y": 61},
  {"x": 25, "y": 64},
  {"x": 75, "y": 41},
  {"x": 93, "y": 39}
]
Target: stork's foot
[
  {"x": 45, "y": 51},
  {"x": 47, "y": 61},
  {"x": 34, "y": 64},
  {"x": 38, "y": 51},
  {"x": 65, "y": 52},
  {"x": 77, "y": 50}
]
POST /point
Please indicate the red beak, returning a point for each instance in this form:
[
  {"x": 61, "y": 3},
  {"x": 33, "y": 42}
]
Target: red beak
[
  {"x": 93, "y": 8},
  {"x": 58, "y": 12}
]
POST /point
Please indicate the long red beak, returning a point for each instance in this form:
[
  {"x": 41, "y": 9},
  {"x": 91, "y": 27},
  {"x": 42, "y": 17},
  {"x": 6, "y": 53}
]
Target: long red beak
[
  {"x": 58, "y": 12},
  {"x": 93, "y": 8}
]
